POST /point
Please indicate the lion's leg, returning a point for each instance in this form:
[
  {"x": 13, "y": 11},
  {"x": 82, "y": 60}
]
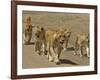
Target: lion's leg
[
  {"x": 80, "y": 51},
  {"x": 25, "y": 37},
  {"x": 37, "y": 47},
  {"x": 88, "y": 53},
  {"x": 40, "y": 46},
  {"x": 65, "y": 45},
  {"x": 76, "y": 49},
  {"x": 44, "y": 45},
  {"x": 50, "y": 58},
  {"x": 85, "y": 51},
  {"x": 59, "y": 52},
  {"x": 56, "y": 60},
  {"x": 49, "y": 55},
  {"x": 30, "y": 36}
]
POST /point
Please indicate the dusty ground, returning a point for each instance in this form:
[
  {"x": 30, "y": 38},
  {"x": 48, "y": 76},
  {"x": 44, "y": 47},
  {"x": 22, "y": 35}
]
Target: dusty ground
[{"x": 76, "y": 22}]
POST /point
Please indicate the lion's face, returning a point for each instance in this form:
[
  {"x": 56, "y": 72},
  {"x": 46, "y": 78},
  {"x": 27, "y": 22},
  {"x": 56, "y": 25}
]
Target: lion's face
[
  {"x": 28, "y": 19},
  {"x": 84, "y": 37},
  {"x": 61, "y": 37},
  {"x": 65, "y": 34},
  {"x": 39, "y": 31}
]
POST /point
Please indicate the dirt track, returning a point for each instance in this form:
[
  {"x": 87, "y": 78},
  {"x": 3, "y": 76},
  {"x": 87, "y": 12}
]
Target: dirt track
[
  {"x": 76, "y": 22},
  {"x": 33, "y": 60}
]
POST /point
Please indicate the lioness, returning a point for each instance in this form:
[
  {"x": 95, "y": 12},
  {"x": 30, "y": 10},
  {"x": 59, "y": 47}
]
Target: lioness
[
  {"x": 39, "y": 38},
  {"x": 55, "y": 40},
  {"x": 82, "y": 45},
  {"x": 27, "y": 30}
]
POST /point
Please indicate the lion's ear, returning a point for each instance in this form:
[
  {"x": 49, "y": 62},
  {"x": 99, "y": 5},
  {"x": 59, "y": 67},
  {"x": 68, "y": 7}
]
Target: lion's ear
[
  {"x": 42, "y": 28},
  {"x": 28, "y": 19}
]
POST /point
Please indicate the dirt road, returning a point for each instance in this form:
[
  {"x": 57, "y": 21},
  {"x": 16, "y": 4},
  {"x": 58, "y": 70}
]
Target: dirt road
[{"x": 67, "y": 58}]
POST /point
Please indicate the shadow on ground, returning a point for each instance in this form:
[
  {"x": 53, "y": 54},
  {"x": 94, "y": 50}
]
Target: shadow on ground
[
  {"x": 31, "y": 43},
  {"x": 65, "y": 61},
  {"x": 70, "y": 49}
]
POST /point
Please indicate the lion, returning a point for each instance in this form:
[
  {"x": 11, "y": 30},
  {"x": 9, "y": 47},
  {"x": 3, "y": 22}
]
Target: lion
[
  {"x": 54, "y": 41},
  {"x": 67, "y": 33},
  {"x": 27, "y": 30},
  {"x": 82, "y": 45},
  {"x": 40, "y": 41}
]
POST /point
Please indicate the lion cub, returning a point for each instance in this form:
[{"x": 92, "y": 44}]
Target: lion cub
[
  {"x": 54, "y": 41},
  {"x": 40, "y": 41},
  {"x": 27, "y": 30},
  {"x": 82, "y": 45}
]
